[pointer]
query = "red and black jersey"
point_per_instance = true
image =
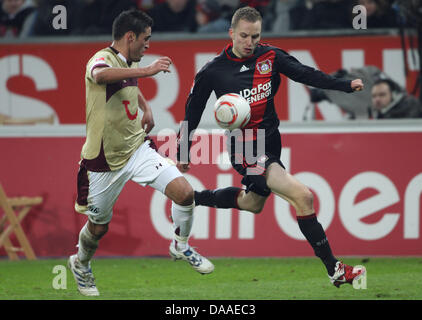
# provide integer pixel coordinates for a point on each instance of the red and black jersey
(257, 79)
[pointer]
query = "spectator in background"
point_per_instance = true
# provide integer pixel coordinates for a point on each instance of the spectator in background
(228, 7)
(259, 5)
(144, 5)
(380, 14)
(321, 14)
(97, 16)
(40, 22)
(390, 102)
(174, 16)
(208, 17)
(277, 16)
(13, 14)
(263, 7)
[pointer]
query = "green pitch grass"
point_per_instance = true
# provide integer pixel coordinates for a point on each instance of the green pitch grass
(232, 279)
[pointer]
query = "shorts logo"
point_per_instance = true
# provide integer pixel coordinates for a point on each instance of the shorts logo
(264, 67)
(93, 209)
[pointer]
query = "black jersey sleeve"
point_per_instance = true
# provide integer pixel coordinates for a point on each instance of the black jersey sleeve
(292, 68)
(194, 108)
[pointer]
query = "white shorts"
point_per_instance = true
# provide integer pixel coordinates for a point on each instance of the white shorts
(98, 195)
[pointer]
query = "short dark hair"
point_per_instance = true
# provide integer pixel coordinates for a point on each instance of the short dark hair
(245, 13)
(393, 86)
(131, 20)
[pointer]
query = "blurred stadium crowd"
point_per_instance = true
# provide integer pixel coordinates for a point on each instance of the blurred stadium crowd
(28, 18)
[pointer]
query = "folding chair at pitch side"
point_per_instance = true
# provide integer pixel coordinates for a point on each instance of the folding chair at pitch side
(13, 220)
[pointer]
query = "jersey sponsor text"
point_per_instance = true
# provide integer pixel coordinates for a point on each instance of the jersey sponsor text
(260, 92)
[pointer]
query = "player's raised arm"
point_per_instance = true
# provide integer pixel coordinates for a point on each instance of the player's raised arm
(104, 75)
(295, 70)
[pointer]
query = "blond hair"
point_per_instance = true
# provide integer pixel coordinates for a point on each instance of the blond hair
(245, 13)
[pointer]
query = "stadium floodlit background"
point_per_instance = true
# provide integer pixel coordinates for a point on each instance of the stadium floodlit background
(365, 172)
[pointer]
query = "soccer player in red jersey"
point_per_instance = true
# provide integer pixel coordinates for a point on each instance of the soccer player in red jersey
(253, 70)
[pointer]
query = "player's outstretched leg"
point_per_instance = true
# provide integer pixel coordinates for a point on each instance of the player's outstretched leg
(179, 248)
(301, 198)
(338, 272)
(219, 198)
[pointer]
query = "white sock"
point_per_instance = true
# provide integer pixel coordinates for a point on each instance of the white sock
(182, 222)
(87, 246)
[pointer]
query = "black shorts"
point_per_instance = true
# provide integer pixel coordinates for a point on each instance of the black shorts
(254, 173)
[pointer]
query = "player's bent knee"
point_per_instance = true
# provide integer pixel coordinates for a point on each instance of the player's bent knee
(186, 197)
(308, 196)
(252, 207)
(305, 199)
(251, 202)
(180, 192)
(255, 208)
(97, 230)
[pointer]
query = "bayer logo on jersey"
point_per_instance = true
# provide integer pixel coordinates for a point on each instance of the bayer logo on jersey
(232, 111)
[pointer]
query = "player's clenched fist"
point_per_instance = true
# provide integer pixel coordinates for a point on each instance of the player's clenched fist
(357, 85)
(161, 64)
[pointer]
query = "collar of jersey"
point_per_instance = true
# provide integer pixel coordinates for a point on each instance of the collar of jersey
(122, 57)
(230, 55)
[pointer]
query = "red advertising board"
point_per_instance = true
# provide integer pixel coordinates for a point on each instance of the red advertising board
(367, 188)
(45, 78)
(367, 185)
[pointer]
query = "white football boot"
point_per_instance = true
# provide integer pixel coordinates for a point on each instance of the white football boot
(198, 262)
(83, 277)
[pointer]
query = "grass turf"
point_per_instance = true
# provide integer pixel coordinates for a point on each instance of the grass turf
(232, 279)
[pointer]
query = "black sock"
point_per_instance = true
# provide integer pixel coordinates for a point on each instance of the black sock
(314, 233)
(219, 198)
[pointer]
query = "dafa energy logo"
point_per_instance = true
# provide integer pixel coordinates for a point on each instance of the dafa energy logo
(260, 92)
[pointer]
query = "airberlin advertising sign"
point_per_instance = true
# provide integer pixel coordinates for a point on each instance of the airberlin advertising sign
(367, 187)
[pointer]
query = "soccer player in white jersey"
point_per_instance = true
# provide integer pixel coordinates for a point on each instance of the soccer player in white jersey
(117, 148)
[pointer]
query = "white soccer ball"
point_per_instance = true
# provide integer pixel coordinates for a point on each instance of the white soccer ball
(232, 111)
